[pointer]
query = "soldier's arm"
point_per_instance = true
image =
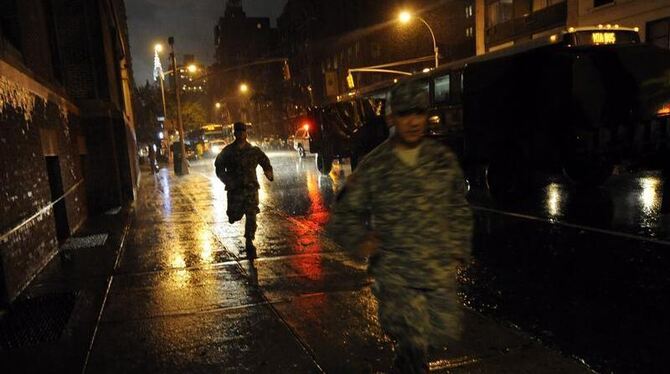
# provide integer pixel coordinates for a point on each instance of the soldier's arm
(221, 165)
(264, 162)
(348, 225)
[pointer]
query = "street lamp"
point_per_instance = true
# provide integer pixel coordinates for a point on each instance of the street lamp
(192, 68)
(217, 105)
(160, 76)
(244, 88)
(183, 170)
(406, 17)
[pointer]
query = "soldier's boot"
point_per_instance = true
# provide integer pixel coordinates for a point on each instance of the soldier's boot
(250, 249)
(250, 233)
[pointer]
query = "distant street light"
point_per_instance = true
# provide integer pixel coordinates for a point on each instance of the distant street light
(244, 88)
(158, 48)
(217, 105)
(192, 68)
(406, 17)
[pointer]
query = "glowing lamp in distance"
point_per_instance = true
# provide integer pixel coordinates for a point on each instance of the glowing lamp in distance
(664, 111)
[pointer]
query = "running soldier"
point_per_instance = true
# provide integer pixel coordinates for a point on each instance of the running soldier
(236, 168)
(404, 207)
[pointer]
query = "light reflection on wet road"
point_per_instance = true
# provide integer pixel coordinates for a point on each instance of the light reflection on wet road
(578, 269)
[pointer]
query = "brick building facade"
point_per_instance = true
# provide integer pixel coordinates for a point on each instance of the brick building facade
(66, 131)
(504, 23)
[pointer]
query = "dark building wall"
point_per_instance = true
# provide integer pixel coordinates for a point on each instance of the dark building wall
(92, 39)
(64, 81)
(241, 40)
(27, 220)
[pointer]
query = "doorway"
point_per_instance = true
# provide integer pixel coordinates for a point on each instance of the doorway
(59, 208)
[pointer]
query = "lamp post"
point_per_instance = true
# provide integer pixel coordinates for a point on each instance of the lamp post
(183, 169)
(244, 91)
(405, 17)
(159, 75)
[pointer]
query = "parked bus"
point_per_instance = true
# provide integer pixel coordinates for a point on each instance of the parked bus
(578, 102)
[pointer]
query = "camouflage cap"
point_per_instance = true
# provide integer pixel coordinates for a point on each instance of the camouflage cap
(409, 97)
(239, 126)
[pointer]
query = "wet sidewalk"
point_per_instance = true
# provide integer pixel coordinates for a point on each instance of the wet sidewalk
(181, 298)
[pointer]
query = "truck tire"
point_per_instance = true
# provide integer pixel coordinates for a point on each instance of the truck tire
(301, 151)
(324, 164)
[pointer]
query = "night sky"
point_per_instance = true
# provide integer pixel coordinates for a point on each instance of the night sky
(191, 22)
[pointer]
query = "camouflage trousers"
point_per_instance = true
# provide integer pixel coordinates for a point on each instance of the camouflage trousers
(418, 319)
(244, 202)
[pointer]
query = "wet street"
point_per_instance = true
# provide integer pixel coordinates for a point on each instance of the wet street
(582, 272)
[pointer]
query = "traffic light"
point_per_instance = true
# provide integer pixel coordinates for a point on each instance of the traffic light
(286, 70)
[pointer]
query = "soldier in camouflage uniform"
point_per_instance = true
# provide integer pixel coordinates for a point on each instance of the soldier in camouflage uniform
(405, 208)
(236, 168)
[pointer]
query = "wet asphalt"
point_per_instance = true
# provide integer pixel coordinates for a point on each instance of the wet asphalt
(560, 276)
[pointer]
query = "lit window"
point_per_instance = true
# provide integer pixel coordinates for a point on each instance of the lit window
(468, 11)
(541, 4)
(499, 12)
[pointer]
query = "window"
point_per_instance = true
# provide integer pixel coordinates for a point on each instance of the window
(499, 12)
(468, 11)
(658, 33)
(541, 4)
(469, 32)
(442, 88)
(9, 23)
(597, 3)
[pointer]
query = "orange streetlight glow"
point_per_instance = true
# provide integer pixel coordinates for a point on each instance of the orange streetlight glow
(244, 88)
(405, 16)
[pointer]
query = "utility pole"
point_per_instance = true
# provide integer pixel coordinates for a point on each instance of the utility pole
(181, 165)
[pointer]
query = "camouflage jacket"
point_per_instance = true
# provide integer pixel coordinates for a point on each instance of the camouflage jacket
(236, 167)
(419, 214)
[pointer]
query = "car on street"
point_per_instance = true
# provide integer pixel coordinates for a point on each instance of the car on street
(215, 147)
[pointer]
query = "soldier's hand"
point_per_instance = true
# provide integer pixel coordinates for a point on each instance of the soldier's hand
(369, 246)
(269, 175)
